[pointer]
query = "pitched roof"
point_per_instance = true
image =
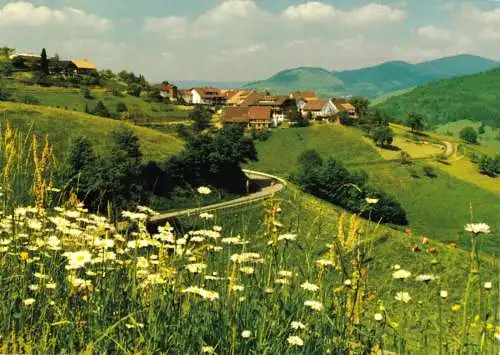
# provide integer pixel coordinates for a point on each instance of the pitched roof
(343, 104)
(262, 99)
(314, 105)
(209, 93)
(84, 64)
(306, 95)
(236, 114)
(239, 97)
(259, 113)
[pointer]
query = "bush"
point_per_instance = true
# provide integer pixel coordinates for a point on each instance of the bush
(101, 110)
(261, 135)
(121, 107)
(116, 92)
(86, 93)
(331, 181)
(429, 172)
(5, 93)
(469, 135)
(30, 100)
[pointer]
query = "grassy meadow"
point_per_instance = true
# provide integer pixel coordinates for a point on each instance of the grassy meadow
(61, 125)
(278, 155)
(490, 138)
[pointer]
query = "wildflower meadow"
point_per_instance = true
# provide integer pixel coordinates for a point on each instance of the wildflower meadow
(78, 282)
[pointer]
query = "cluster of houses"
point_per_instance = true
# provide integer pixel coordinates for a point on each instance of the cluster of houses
(56, 65)
(261, 110)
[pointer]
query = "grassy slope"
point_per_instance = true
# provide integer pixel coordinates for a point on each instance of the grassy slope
(490, 138)
(62, 125)
(279, 154)
(438, 207)
(316, 221)
(72, 99)
(473, 97)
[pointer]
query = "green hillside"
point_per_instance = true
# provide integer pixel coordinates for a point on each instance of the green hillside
(374, 81)
(62, 125)
(436, 206)
(73, 99)
(475, 98)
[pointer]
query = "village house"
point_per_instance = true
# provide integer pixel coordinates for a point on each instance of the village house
(252, 118)
(207, 96)
(84, 66)
(303, 97)
(342, 105)
(236, 98)
(280, 105)
(168, 91)
(186, 96)
(319, 109)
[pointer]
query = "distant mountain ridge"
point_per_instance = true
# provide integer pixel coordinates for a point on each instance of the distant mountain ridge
(376, 80)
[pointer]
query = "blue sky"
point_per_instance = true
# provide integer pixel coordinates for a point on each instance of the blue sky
(243, 40)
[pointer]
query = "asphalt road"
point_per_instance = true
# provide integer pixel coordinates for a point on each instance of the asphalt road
(277, 184)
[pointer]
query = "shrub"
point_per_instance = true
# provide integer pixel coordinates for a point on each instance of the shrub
(469, 135)
(30, 100)
(429, 172)
(121, 107)
(86, 93)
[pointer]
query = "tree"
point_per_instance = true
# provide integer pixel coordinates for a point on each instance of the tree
(80, 168)
(416, 122)
(360, 105)
(481, 129)
(6, 51)
(86, 93)
(469, 135)
(134, 90)
(310, 159)
(44, 62)
(121, 107)
(5, 93)
(6, 68)
(383, 136)
(201, 118)
(18, 63)
(101, 110)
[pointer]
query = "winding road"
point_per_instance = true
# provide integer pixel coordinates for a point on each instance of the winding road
(270, 185)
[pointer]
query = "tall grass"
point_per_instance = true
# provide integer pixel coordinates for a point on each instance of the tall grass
(74, 282)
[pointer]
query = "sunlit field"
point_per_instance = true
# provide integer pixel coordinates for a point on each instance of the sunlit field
(275, 279)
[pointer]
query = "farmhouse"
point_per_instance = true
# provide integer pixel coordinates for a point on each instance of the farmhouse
(207, 96)
(342, 105)
(252, 118)
(186, 96)
(238, 97)
(318, 109)
(84, 66)
(280, 105)
(169, 91)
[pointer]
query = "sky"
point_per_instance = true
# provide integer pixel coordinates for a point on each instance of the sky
(246, 40)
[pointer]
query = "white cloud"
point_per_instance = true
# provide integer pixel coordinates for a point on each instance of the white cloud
(164, 23)
(26, 14)
(232, 10)
(434, 33)
(369, 14)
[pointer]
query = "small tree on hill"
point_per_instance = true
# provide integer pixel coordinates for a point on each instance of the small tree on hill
(121, 107)
(415, 122)
(134, 90)
(101, 110)
(383, 136)
(360, 105)
(201, 118)
(44, 62)
(469, 135)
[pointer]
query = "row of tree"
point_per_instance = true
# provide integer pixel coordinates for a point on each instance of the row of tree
(121, 180)
(331, 181)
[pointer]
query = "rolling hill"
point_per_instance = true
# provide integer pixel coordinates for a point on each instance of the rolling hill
(437, 207)
(473, 97)
(373, 81)
(62, 125)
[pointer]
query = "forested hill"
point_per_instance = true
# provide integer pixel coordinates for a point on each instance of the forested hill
(474, 97)
(374, 81)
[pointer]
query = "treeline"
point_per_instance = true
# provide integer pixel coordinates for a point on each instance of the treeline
(331, 181)
(120, 179)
